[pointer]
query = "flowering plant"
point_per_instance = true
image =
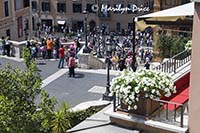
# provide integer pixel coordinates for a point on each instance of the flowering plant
(188, 45)
(129, 86)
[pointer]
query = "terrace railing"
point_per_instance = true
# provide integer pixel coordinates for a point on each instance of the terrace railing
(171, 65)
(161, 114)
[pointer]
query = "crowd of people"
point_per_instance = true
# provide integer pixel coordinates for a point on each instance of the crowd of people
(5, 46)
(50, 48)
(144, 38)
(121, 57)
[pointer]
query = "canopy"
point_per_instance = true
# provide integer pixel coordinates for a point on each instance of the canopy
(178, 11)
(168, 15)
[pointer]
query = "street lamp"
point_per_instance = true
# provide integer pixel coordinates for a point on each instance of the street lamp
(86, 49)
(106, 95)
(133, 43)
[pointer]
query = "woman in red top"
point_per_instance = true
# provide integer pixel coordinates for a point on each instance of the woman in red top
(61, 56)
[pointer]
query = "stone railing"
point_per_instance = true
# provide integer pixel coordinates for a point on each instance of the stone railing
(88, 61)
(16, 48)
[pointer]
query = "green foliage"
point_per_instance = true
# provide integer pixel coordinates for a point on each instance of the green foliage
(170, 46)
(18, 111)
(27, 56)
(42, 117)
(18, 90)
(79, 116)
(60, 122)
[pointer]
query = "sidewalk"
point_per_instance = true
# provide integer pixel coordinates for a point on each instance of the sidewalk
(100, 123)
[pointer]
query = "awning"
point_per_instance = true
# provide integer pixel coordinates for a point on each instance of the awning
(141, 25)
(178, 11)
(169, 15)
(61, 22)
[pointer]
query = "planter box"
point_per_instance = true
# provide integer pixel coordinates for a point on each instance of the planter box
(145, 107)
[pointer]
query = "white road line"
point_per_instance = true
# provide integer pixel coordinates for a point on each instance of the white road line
(53, 77)
(13, 58)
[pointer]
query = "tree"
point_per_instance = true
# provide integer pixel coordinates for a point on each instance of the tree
(18, 91)
(171, 45)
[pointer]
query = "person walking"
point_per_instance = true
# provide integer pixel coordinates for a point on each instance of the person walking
(147, 65)
(49, 47)
(122, 65)
(61, 56)
(3, 45)
(7, 46)
(128, 62)
(71, 65)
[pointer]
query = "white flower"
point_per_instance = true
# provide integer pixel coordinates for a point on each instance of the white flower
(135, 107)
(153, 84)
(153, 91)
(137, 99)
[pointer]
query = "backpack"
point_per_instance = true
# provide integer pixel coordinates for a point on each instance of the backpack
(71, 62)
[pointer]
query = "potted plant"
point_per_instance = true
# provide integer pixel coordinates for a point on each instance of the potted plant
(132, 87)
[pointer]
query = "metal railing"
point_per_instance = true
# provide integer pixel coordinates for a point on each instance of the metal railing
(160, 111)
(175, 62)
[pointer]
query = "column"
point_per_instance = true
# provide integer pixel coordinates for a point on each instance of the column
(194, 94)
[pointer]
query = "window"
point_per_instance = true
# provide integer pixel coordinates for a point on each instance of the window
(6, 9)
(149, 4)
(46, 7)
(61, 7)
(77, 8)
(89, 8)
(17, 4)
(185, 1)
(118, 27)
(34, 6)
(20, 27)
(8, 33)
(26, 3)
(26, 24)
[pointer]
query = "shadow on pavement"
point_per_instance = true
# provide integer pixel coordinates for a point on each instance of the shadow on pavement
(41, 63)
(79, 75)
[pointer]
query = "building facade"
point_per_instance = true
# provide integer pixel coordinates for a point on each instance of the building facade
(15, 19)
(22, 19)
(69, 14)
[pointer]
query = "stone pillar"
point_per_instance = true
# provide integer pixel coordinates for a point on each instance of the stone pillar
(194, 94)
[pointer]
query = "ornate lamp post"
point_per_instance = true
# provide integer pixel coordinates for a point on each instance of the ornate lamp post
(86, 49)
(133, 43)
(106, 95)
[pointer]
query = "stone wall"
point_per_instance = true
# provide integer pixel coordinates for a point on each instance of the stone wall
(88, 61)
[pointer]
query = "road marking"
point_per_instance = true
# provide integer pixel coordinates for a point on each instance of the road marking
(13, 58)
(53, 77)
(97, 89)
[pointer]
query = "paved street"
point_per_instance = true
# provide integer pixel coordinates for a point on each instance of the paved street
(86, 86)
